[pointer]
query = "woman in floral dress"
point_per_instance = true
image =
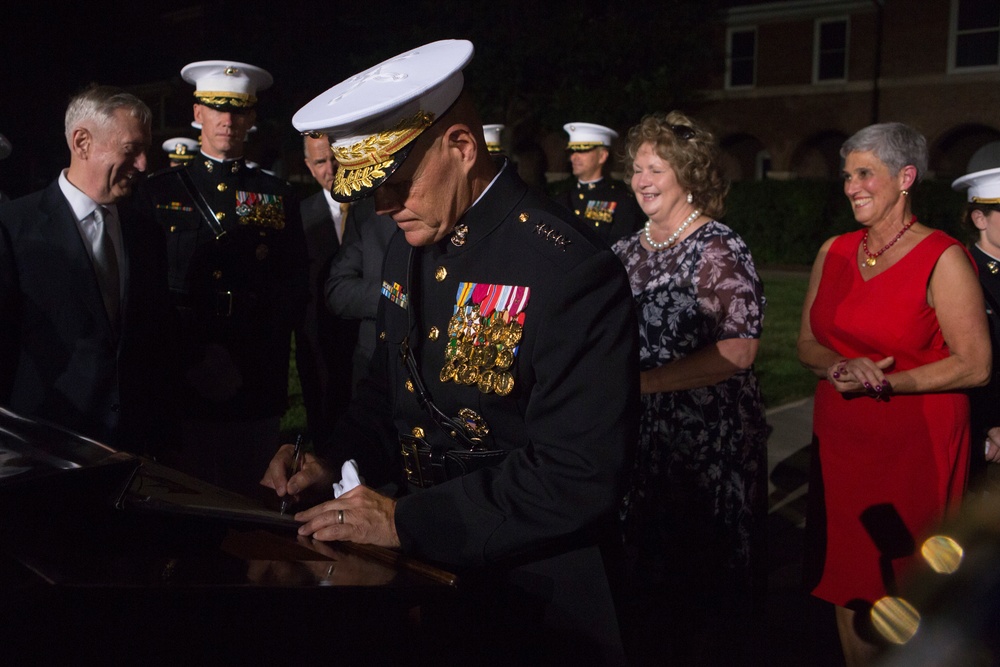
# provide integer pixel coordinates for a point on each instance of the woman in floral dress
(695, 510)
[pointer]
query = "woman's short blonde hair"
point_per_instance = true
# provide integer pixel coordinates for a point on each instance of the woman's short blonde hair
(692, 153)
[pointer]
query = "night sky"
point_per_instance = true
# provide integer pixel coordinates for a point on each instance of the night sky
(564, 48)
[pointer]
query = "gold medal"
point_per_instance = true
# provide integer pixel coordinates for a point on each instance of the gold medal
(481, 356)
(447, 372)
(486, 381)
(513, 332)
(503, 384)
(504, 359)
(468, 374)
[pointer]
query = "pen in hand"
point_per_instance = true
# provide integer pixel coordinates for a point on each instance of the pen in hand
(296, 461)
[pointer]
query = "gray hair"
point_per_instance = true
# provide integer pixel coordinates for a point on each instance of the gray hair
(896, 145)
(98, 104)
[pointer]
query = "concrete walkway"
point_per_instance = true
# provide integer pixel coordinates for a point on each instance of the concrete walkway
(801, 629)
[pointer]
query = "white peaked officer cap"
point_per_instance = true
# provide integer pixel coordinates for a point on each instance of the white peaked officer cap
(492, 133)
(226, 85)
(588, 136)
(180, 148)
(373, 118)
(984, 186)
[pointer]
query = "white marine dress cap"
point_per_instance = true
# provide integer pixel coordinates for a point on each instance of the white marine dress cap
(373, 118)
(226, 85)
(588, 136)
(180, 148)
(984, 186)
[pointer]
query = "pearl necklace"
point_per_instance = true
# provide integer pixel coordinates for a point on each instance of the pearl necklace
(872, 257)
(673, 237)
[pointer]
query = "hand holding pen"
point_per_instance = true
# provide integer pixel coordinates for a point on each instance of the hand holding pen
(296, 466)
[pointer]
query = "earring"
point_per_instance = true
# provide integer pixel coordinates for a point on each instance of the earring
(690, 198)
(904, 192)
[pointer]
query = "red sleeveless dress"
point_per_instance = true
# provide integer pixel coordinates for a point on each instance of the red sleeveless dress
(890, 469)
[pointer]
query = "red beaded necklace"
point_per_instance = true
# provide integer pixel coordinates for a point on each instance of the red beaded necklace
(873, 257)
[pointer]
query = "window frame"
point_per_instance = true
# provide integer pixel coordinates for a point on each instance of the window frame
(953, 38)
(730, 32)
(818, 50)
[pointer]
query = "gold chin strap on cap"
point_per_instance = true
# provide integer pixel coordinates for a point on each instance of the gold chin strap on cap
(983, 200)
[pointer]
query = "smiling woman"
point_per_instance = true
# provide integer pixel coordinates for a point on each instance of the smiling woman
(893, 321)
(695, 507)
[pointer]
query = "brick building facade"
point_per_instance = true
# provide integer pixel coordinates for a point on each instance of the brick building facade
(803, 75)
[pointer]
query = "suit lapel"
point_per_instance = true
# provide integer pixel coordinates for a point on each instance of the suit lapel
(61, 231)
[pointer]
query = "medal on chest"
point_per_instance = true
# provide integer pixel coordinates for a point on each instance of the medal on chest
(483, 336)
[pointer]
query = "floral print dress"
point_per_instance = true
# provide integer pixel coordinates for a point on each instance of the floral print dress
(697, 498)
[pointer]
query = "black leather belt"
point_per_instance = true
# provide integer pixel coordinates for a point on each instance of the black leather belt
(426, 466)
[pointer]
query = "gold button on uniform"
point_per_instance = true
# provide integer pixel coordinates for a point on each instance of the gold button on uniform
(220, 216)
(523, 217)
(433, 333)
(217, 274)
(221, 187)
(417, 432)
(381, 336)
(440, 273)
(409, 386)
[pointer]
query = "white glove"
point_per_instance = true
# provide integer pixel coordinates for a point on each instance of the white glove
(350, 478)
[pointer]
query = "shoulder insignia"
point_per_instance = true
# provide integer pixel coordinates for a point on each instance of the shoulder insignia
(546, 232)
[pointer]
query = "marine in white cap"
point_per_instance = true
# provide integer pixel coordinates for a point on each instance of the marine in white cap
(982, 218)
(493, 132)
(180, 150)
(601, 202)
(238, 276)
(505, 377)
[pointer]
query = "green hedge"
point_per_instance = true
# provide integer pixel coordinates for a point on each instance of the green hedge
(785, 222)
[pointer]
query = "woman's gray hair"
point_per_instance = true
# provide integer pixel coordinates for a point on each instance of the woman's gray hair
(894, 144)
(99, 103)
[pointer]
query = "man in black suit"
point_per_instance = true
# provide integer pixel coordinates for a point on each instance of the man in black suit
(324, 342)
(84, 309)
(354, 282)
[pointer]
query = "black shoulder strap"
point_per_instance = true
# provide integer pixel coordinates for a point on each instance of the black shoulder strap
(199, 200)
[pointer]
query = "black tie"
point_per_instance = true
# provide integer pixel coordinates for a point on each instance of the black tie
(107, 267)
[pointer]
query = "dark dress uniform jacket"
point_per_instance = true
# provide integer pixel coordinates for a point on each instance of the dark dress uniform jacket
(985, 401)
(568, 422)
(607, 206)
(60, 360)
(239, 298)
(324, 343)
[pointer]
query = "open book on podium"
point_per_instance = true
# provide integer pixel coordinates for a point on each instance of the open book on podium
(48, 473)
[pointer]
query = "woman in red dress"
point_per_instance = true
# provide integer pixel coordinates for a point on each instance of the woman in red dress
(894, 323)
